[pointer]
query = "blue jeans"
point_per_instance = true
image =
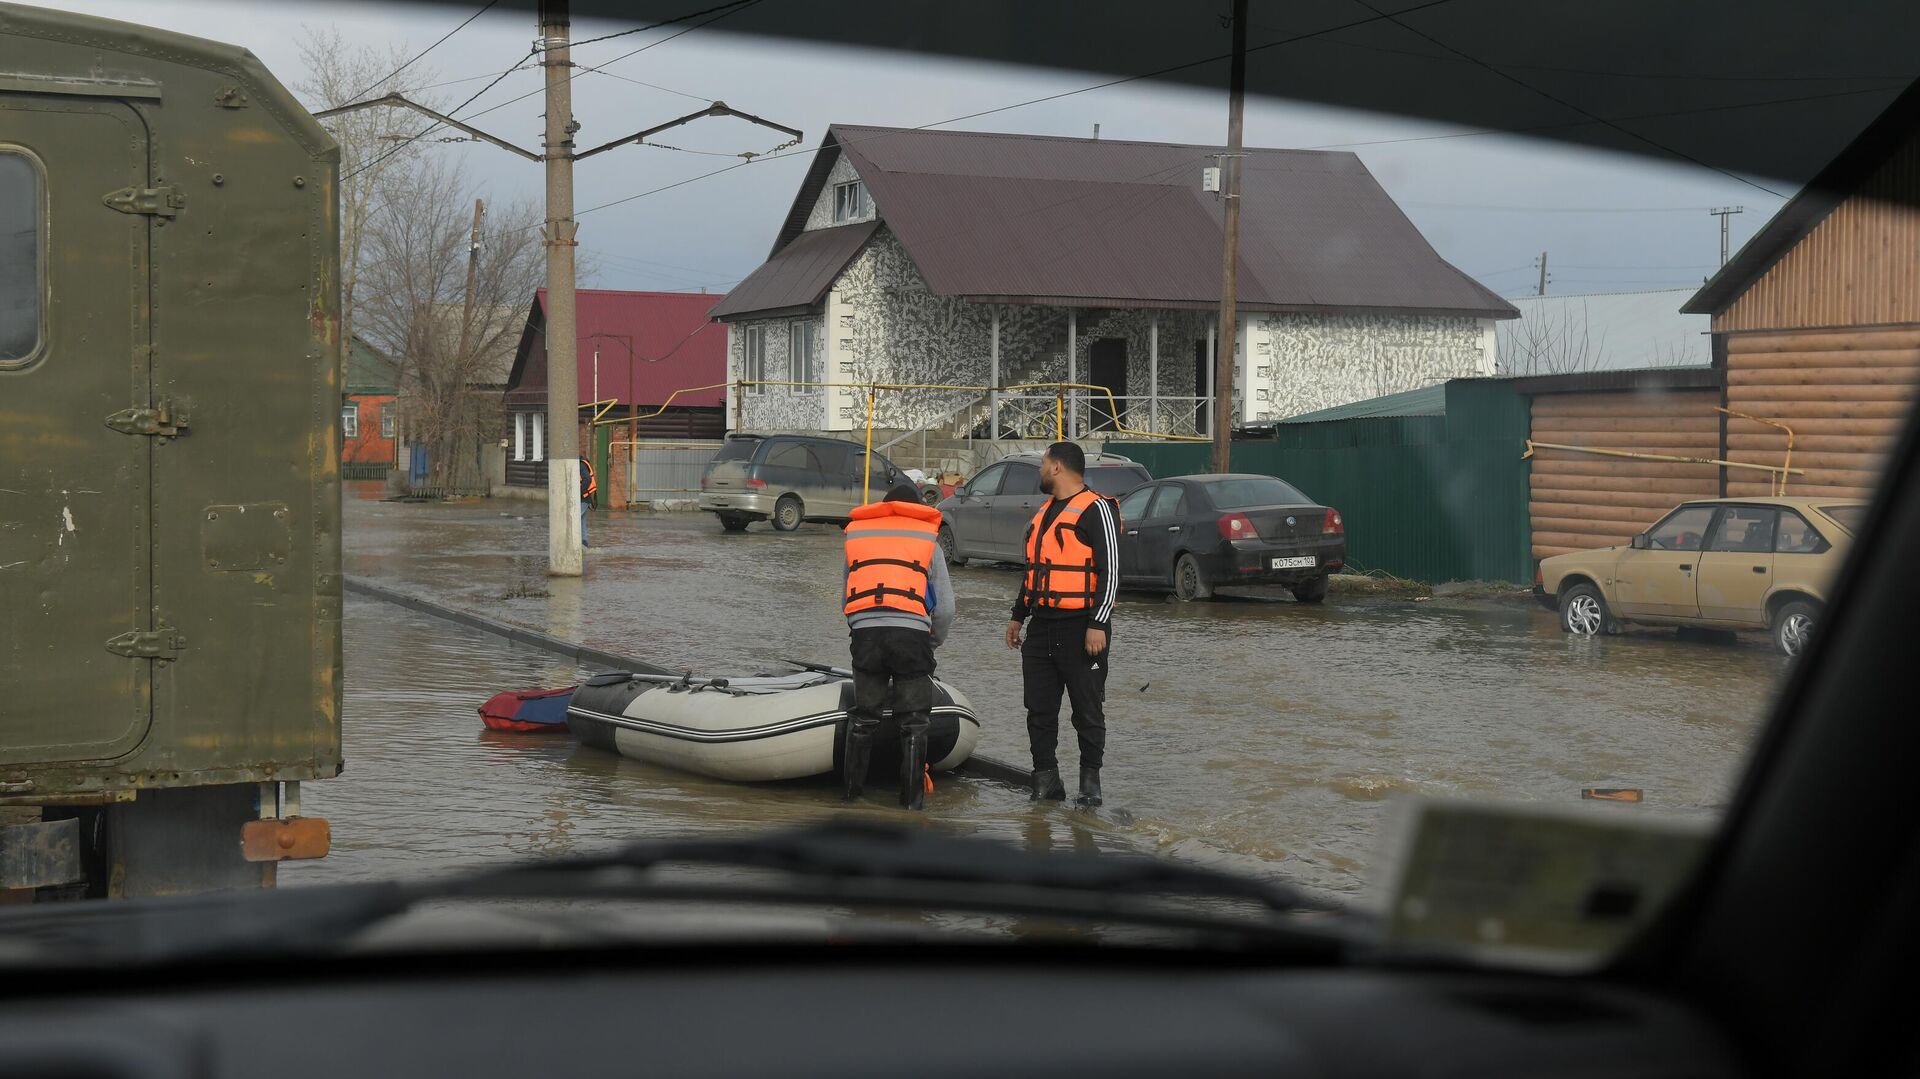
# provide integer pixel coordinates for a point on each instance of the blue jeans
(583, 521)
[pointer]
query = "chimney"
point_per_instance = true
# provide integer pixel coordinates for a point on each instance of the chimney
(1096, 131)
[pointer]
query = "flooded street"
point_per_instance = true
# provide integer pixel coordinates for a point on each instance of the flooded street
(1255, 734)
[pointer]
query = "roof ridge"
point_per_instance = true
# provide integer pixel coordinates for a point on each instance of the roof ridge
(1083, 139)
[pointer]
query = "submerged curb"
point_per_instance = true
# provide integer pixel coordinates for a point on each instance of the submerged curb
(586, 655)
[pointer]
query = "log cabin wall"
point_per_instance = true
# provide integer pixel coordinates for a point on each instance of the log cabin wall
(1579, 501)
(1844, 392)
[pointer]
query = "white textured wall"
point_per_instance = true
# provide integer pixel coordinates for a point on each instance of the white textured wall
(775, 408)
(1299, 363)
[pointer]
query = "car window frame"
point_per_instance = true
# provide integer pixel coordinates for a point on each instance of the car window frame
(1179, 508)
(40, 211)
(1823, 542)
(1023, 468)
(1713, 519)
(774, 456)
(1150, 490)
(998, 470)
(1720, 518)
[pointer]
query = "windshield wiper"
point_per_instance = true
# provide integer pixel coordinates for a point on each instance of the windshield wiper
(842, 863)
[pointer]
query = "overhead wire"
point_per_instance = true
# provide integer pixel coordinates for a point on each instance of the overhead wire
(435, 126)
(484, 8)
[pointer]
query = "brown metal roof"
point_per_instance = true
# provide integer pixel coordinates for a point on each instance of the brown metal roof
(1124, 224)
(798, 275)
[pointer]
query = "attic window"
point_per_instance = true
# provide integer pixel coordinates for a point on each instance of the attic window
(850, 202)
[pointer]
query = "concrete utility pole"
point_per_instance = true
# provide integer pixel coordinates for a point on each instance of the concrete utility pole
(1230, 257)
(1724, 212)
(473, 268)
(563, 377)
(1542, 290)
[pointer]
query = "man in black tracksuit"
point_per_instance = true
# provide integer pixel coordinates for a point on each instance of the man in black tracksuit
(1069, 590)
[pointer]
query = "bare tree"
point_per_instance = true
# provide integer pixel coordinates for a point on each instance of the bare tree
(1553, 341)
(373, 142)
(415, 303)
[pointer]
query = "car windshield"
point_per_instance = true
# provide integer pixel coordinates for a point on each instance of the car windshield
(1850, 516)
(1247, 492)
(1578, 363)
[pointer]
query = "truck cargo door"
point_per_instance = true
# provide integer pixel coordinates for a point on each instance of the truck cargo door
(78, 427)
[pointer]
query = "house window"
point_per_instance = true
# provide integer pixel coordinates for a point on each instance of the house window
(539, 436)
(803, 355)
(386, 421)
(519, 436)
(350, 421)
(21, 270)
(850, 202)
(754, 364)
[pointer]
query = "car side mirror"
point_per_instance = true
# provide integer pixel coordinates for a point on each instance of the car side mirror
(1640, 542)
(960, 491)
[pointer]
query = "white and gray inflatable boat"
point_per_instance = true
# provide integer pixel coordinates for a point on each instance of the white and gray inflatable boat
(757, 728)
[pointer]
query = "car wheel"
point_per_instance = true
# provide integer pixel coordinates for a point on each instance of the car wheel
(1583, 610)
(1189, 580)
(1793, 627)
(1314, 591)
(733, 522)
(930, 494)
(787, 513)
(950, 547)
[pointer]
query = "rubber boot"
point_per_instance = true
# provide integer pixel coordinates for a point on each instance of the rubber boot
(1047, 786)
(913, 769)
(1089, 786)
(859, 752)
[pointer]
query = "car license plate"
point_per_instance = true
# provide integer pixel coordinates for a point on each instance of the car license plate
(1305, 561)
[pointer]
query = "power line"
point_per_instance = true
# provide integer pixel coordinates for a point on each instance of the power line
(724, 11)
(666, 22)
(435, 126)
(1490, 208)
(1034, 101)
(652, 85)
(477, 78)
(1616, 120)
(484, 8)
(1564, 103)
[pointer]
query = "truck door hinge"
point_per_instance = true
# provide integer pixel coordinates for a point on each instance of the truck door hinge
(163, 643)
(166, 419)
(156, 201)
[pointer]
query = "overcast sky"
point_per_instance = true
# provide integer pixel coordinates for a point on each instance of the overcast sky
(1489, 204)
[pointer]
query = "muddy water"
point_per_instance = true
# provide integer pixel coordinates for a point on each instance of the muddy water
(1256, 733)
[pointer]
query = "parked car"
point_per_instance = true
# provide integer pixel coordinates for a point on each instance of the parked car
(1726, 564)
(987, 517)
(788, 479)
(1193, 534)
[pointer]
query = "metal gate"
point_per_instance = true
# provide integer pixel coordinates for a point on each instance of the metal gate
(663, 470)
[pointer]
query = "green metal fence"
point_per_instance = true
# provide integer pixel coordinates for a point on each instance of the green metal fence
(1431, 498)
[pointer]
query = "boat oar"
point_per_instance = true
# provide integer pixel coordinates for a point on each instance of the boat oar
(818, 668)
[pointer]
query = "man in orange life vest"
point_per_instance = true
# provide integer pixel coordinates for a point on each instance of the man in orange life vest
(1070, 588)
(588, 486)
(899, 607)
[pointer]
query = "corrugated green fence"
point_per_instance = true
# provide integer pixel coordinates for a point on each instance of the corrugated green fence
(1432, 498)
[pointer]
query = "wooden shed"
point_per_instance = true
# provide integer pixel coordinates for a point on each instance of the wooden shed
(1816, 322)
(1589, 496)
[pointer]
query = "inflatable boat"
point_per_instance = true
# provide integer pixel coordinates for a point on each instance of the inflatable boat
(758, 728)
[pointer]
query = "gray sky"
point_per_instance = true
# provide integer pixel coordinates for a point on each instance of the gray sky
(1489, 204)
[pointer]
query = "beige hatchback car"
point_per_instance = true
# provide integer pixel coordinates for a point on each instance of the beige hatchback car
(1721, 564)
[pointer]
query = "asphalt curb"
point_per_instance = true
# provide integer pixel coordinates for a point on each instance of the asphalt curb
(588, 656)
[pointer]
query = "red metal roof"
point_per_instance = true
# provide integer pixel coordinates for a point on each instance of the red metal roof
(675, 345)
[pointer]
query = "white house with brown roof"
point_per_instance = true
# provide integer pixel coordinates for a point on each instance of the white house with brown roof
(948, 258)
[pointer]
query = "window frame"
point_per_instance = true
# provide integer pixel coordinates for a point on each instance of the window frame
(998, 470)
(1821, 544)
(861, 203)
(1713, 519)
(350, 419)
(1178, 509)
(1147, 492)
(753, 358)
(42, 290)
(1711, 545)
(1027, 471)
(519, 436)
(388, 428)
(537, 439)
(803, 346)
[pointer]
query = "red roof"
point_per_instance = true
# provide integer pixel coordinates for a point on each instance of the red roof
(675, 345)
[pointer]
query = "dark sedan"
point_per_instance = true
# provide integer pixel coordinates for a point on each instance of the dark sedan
(1193, 534)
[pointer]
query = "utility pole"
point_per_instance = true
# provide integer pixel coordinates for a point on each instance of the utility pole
(1724, 212)
(473, 268)
(1544, 276)
(1230, 256)
(564, 557)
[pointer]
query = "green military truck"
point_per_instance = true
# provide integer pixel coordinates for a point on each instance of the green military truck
(169, 462)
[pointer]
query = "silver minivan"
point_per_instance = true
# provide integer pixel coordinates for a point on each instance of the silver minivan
(788, 479)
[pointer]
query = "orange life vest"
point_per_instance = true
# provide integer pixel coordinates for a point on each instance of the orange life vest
(890, 550)
(1059, 567)
(588, 482)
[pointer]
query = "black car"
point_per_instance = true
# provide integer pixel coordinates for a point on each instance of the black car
(1193, 534)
